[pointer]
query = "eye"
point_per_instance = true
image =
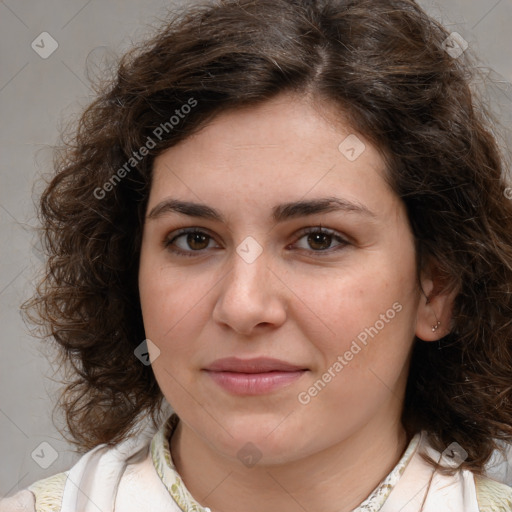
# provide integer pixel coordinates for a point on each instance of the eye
(320, 239)
(191, 240)
(188, 241)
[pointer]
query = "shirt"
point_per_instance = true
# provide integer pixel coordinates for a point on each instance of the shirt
(138, 474)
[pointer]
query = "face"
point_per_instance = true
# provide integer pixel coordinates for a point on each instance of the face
(278, 282)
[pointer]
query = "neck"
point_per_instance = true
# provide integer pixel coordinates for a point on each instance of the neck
(334, 480)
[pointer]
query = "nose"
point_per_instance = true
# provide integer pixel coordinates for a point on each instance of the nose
(251, 297)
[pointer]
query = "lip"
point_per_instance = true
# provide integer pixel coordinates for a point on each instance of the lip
(255, 365)
(253, 376)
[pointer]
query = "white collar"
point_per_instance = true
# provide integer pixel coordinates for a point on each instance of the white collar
(93, 482)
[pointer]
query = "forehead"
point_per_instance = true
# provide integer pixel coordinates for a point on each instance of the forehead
(282, 150)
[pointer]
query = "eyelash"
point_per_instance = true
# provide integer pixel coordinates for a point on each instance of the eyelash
(316, 230)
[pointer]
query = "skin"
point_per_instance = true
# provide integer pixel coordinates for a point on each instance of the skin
(291, 303)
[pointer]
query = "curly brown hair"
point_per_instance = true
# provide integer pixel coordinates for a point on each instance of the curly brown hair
(385, 64)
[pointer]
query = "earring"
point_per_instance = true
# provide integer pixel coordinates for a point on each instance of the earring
(435, 327)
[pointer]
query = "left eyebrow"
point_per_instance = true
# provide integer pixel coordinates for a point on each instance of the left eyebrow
(280, 213)
(293, 210)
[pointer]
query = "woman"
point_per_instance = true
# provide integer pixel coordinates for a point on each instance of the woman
(290, 222)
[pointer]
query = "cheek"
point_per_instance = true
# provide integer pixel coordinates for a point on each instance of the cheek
(171, 313)
(369, 317)
(360, 303)
(174, 309)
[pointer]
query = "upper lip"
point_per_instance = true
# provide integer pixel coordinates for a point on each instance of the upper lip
(256, 365)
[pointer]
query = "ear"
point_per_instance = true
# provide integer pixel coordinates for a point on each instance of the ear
(434, 315)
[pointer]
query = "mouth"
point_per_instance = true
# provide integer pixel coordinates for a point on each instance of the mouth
(253, 376)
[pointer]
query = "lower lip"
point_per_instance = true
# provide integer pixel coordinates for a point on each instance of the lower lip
(254, 383)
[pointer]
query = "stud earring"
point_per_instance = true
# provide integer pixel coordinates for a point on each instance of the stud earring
(435, 327)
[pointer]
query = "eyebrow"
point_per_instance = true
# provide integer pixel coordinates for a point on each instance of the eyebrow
(280, 212)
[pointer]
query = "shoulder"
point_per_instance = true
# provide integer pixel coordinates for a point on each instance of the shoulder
(48, 492)
(97, 472)
(492, 495)
(42, 496)
(22, 501)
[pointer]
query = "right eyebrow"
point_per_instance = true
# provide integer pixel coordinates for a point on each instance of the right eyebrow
(185, 208)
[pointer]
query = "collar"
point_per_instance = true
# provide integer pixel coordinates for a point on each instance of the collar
(162, 461)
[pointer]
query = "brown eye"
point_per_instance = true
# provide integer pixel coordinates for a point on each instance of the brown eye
(188, 241)
(319, 240)
(197, 240)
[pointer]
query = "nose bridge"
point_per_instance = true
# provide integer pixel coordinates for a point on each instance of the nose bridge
(249, 269)
(249, 295)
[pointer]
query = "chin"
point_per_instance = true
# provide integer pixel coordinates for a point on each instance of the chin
(269, 439)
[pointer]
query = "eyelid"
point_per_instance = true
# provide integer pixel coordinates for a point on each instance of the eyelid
(318, 228)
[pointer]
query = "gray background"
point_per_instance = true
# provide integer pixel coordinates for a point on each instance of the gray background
(36, 96)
